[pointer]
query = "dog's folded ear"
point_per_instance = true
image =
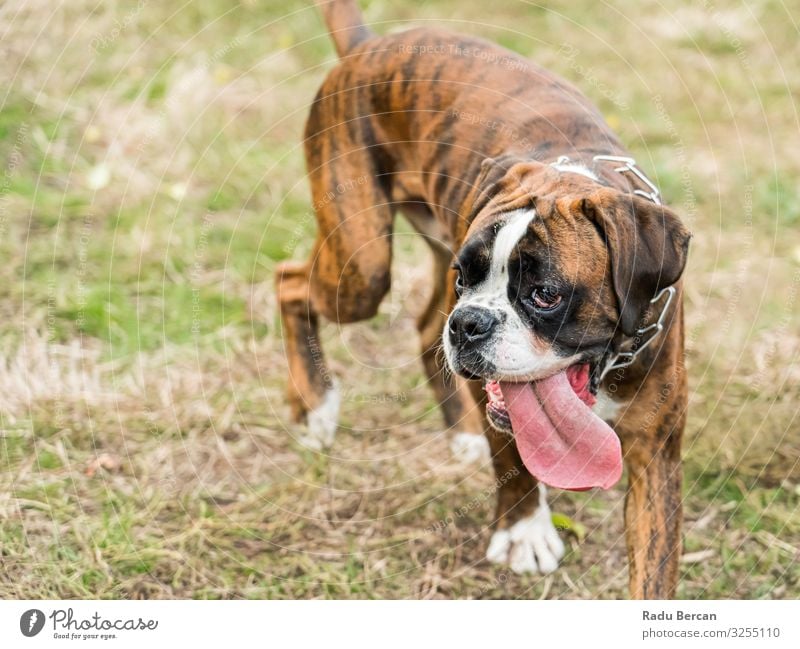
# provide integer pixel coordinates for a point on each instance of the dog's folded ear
(647, 246)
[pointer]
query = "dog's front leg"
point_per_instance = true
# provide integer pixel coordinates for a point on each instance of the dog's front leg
(653, 515)
(524, 536)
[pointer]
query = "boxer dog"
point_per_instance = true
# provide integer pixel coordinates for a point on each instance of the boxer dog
(555, 290)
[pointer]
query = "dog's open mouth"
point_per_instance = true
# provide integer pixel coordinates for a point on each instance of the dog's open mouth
(560, 440)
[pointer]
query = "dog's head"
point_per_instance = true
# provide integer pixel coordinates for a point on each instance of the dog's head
(552, 268)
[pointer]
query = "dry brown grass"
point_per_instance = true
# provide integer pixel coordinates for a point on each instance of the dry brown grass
(157, 180)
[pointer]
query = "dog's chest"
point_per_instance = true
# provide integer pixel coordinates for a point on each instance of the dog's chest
(607, 408)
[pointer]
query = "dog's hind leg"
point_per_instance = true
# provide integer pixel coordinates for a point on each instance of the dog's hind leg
(455, 408)
(312, 392)
(343, 281)
(460, 413)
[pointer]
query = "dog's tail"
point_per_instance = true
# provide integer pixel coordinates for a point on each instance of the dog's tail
(345, 24)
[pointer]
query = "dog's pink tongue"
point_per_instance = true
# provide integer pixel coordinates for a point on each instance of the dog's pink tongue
(561, 441)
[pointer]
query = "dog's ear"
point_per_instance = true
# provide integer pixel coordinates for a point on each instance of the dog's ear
(647, 246)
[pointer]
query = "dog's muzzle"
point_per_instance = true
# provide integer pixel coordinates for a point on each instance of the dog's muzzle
(470, 326)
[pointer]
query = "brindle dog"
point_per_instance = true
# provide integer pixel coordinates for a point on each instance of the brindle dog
(560, 256)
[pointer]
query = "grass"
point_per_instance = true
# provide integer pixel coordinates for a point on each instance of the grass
(154, 177)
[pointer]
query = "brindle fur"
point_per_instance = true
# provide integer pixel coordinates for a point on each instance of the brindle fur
(453, 130)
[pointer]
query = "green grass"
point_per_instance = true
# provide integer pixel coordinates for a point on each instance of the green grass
(151, 185)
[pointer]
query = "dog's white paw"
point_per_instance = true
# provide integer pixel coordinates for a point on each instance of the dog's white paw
(469, 447)
(531, 544)
(322, 421)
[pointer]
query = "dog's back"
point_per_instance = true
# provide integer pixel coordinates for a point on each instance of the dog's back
(423, 92)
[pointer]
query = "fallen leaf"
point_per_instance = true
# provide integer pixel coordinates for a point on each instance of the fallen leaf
(105, 461)
(564, 522)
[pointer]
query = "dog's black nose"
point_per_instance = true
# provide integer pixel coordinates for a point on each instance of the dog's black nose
(470, 324)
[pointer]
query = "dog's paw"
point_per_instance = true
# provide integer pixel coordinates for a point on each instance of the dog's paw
(470, 447)
(530, 545)
(322, 421)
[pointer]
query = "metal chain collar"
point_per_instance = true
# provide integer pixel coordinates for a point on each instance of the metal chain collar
(625, 358)
(629, 165)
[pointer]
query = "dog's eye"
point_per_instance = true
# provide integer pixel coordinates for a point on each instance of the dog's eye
(545, 298)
